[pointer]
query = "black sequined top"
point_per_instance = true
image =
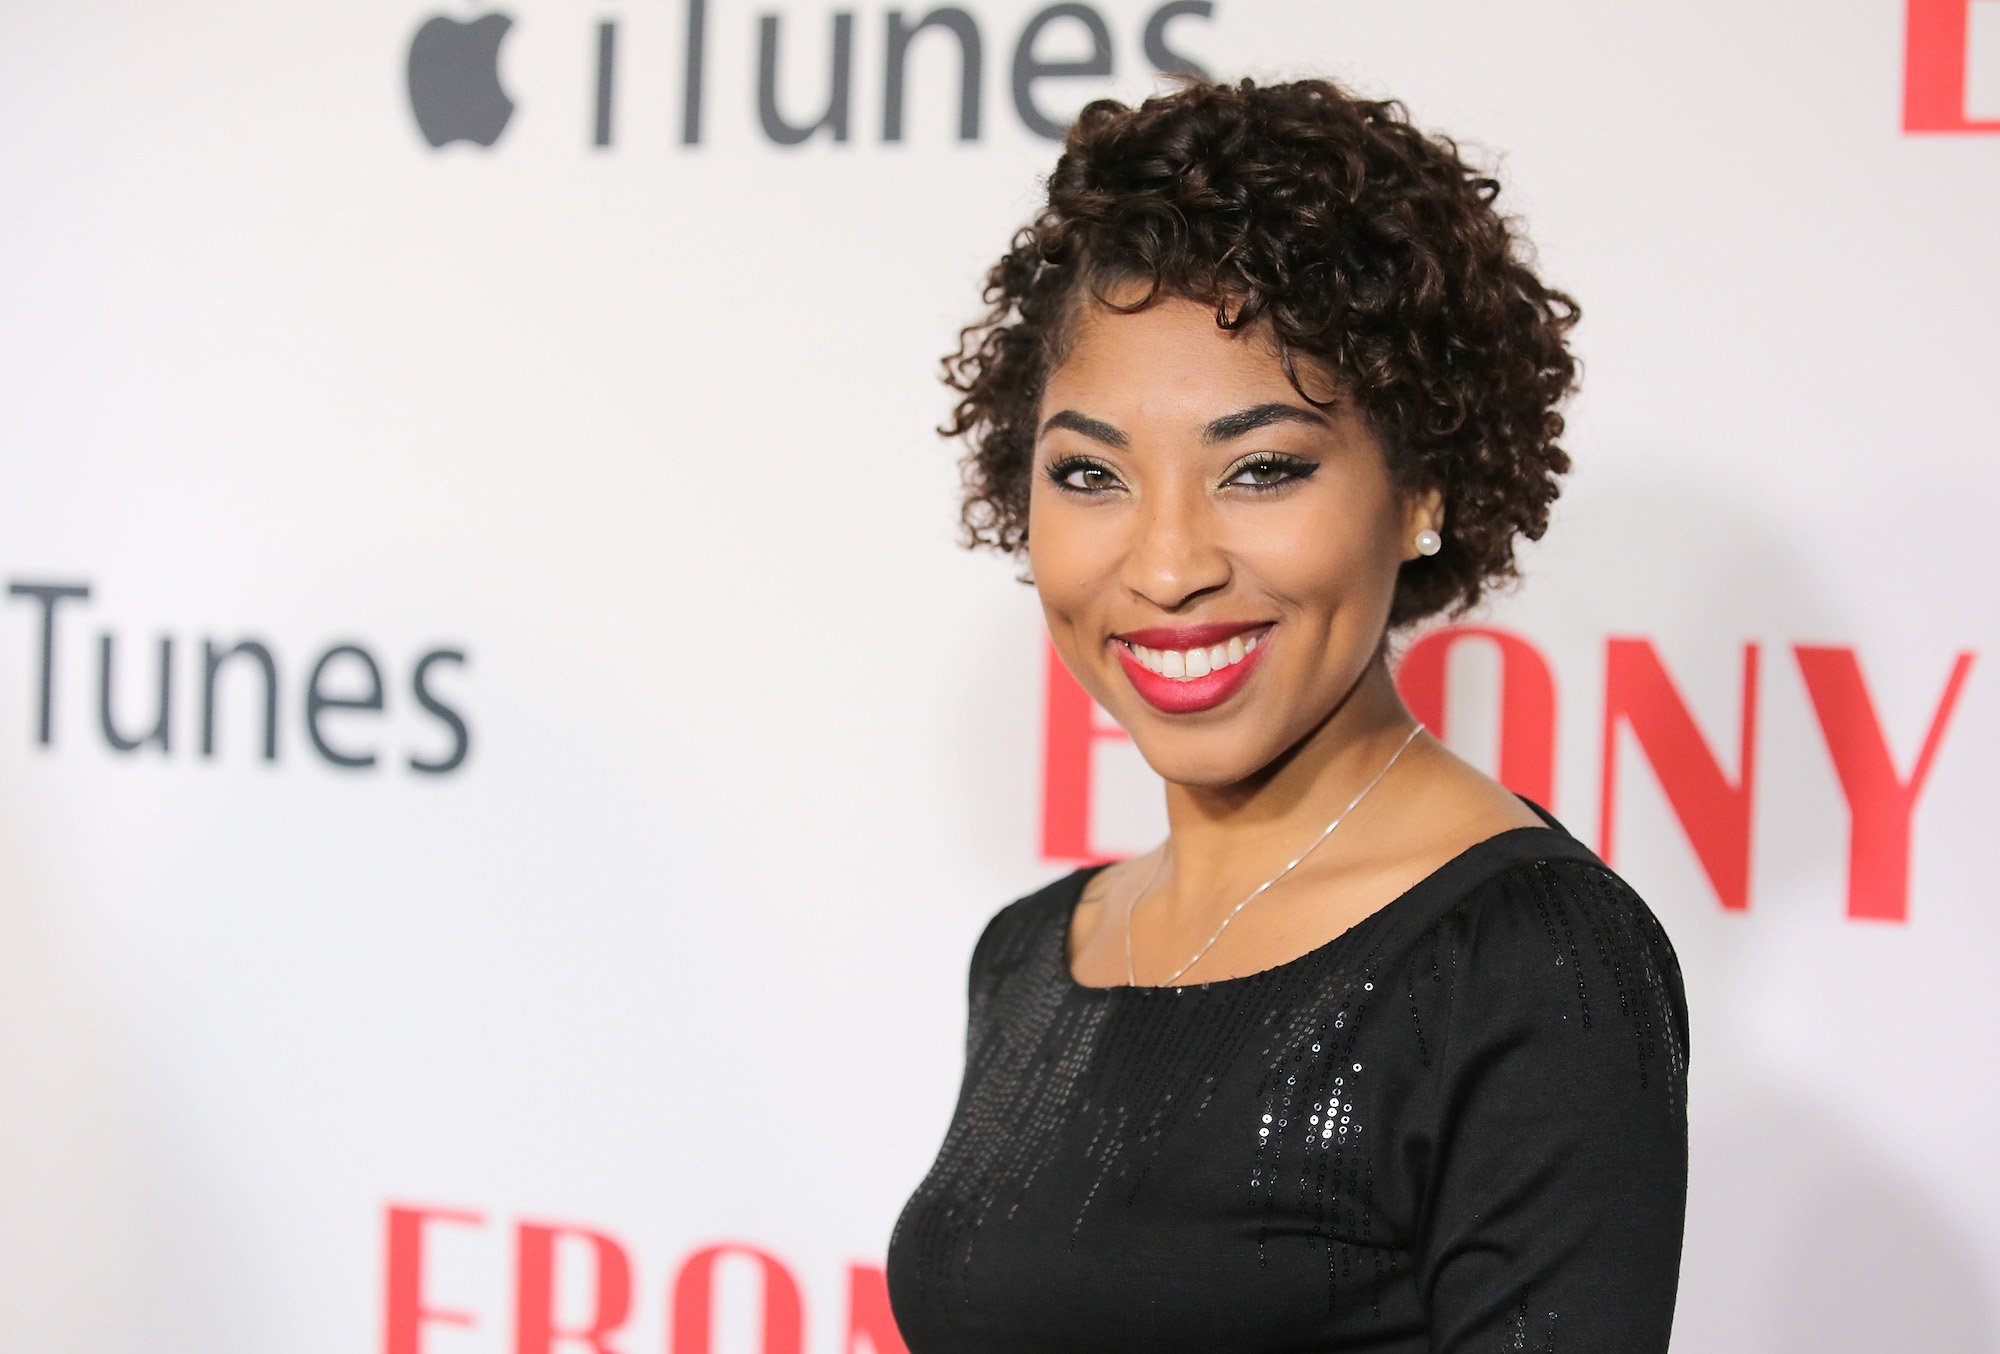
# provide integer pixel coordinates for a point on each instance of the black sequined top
(1459, 1126)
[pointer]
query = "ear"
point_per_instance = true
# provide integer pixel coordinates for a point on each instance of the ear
(1422, 509)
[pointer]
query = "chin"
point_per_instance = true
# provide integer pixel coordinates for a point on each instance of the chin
(1213, 751)
(1213, 761)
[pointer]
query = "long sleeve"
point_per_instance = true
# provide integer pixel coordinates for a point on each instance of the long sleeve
(1554, 1168)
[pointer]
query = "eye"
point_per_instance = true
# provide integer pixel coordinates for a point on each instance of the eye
(1272, 470)
(1081, 475)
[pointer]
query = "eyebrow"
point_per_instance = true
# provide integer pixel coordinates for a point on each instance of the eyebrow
(1220, 430)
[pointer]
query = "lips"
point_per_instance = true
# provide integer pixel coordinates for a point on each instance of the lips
(1175, 696)
(1189, 636)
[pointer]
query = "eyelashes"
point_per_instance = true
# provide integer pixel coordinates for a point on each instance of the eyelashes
(1060, 470)
(1289, 470)
(1292, 469)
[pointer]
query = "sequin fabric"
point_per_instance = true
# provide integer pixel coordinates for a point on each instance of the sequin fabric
(1459, 1126)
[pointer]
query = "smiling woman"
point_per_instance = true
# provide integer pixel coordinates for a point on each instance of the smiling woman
(1265, 383)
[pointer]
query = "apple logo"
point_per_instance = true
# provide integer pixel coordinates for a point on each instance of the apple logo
(455, 80)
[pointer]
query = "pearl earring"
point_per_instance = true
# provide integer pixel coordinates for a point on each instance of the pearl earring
(1429, 542)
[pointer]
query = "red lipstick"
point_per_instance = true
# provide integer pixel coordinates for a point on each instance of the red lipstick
(1188, 636)
(1175, 696)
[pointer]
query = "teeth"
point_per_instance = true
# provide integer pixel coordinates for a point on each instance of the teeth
(1188, 664)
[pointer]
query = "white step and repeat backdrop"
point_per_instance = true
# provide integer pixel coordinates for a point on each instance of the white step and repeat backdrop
(502, 760)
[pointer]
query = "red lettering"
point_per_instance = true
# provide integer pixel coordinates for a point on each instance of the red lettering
(1527, 703)
(534, 1306)
(1934, 59)
(1070, 735)
(694, 1296)
(868, 1314)
(404, 1310)
(1713, 810)
(1879, 805)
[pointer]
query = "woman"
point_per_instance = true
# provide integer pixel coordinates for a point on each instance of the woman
(1265, 383)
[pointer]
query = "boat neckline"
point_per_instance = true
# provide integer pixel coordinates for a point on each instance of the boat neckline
(1069, 897)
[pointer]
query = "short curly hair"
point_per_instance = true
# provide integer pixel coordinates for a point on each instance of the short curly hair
(1371, 247)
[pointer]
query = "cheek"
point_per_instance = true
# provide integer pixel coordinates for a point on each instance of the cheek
(1061, 559)
(1316, 556)
(1054, 576)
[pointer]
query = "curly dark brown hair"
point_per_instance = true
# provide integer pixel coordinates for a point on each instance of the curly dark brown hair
(1370, 246)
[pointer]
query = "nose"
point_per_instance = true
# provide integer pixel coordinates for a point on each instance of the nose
(1174, 555)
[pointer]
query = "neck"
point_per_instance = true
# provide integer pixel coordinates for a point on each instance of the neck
(1226, 840)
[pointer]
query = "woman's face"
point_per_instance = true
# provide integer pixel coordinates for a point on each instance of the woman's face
(1190, 514)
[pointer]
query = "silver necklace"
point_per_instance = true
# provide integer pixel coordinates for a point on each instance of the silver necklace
(1132, 978)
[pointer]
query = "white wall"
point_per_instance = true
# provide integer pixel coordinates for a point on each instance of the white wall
(676, 953)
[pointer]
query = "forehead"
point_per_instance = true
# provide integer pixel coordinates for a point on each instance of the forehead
(1172, 361)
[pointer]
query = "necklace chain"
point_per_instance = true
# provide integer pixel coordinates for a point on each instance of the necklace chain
(1132, 978)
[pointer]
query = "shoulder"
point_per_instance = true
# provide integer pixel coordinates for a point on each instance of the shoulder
(1561, 951)
(1570, 907)
(1012, 931)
